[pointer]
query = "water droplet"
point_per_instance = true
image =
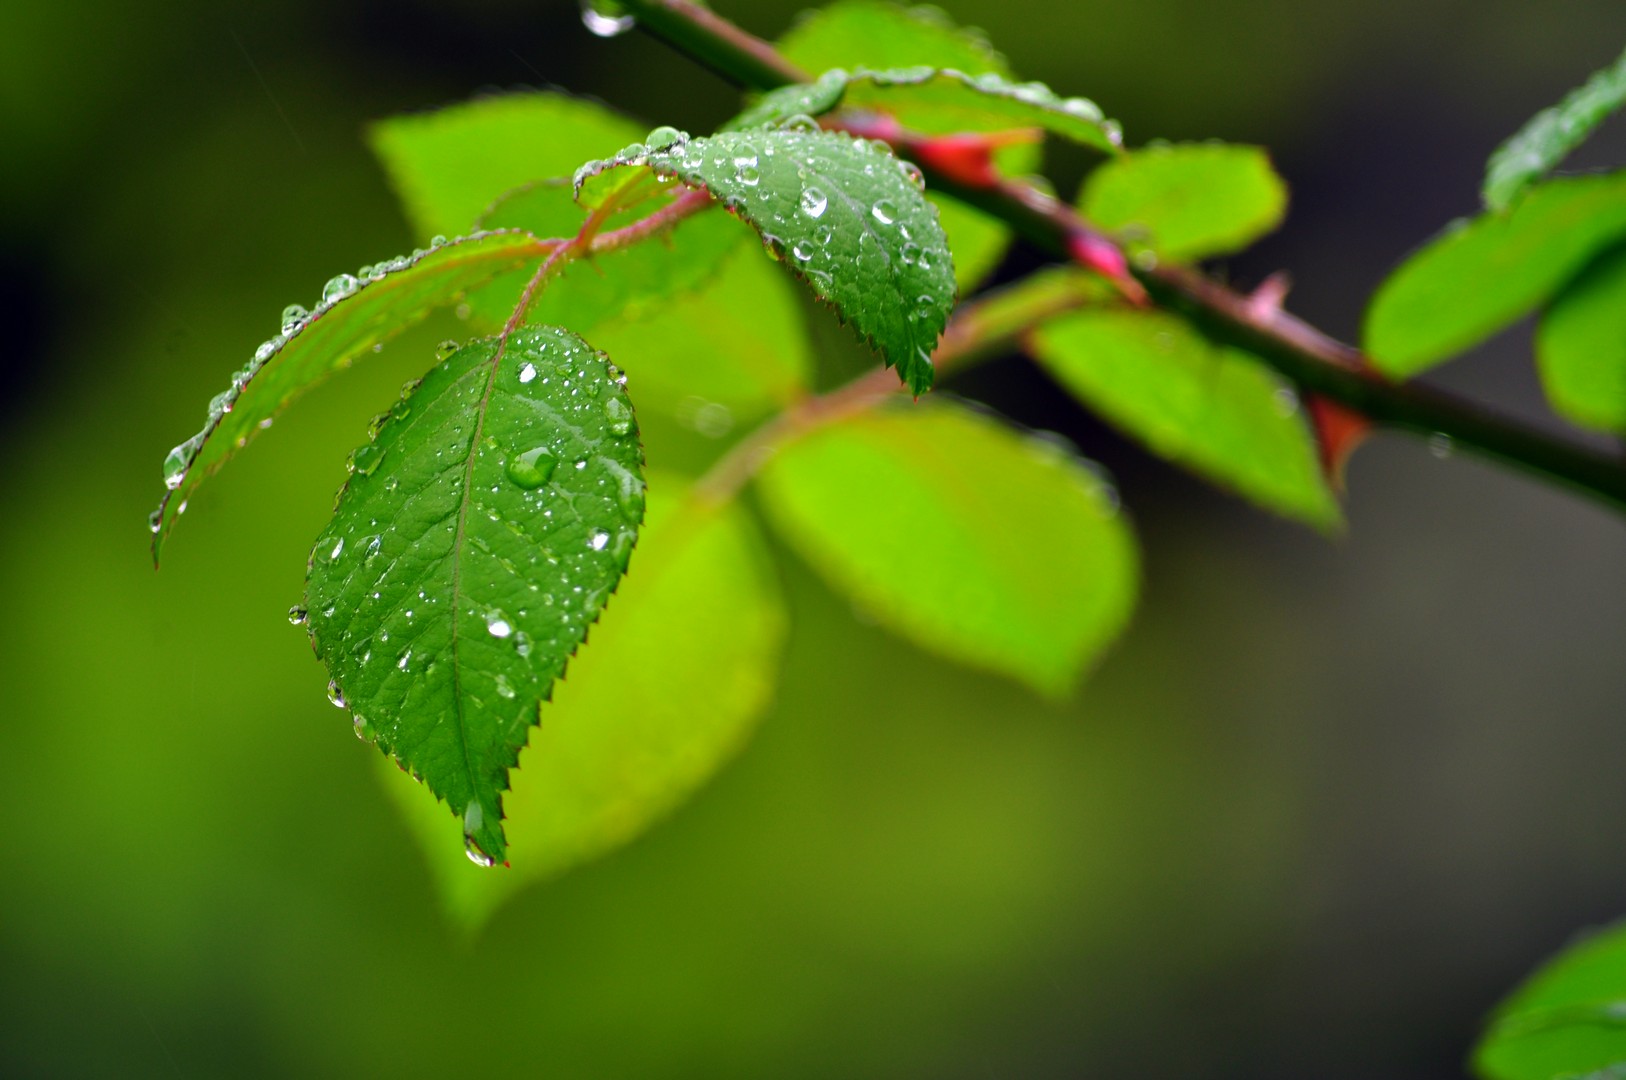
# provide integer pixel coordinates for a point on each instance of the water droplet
(1440, 445)
(532, 468)
(267, 350)
(527, 373)
(363, 729)
(298, 616)
(813, 202)
(802, 250)
(438, 240)
(404, 661)
(498, 625)
(910, 254)
(445, 349)
(884, 212)
(605, 18)
(505, 688)
(155, 521)
(338, 287)
(177, 461)
(293, 317)
(745, 170)
(801, 122)
(619, 415)
(1286, 401)
(662, 137)
(598, 540)
(366, 459)
(335, 695)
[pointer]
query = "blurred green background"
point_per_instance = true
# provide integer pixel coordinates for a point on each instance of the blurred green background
(1321, 807)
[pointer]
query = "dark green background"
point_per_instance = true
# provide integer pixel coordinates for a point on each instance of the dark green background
(1320, 808)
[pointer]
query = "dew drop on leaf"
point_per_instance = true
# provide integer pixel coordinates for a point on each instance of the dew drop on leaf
(532, 468)
(293, 316)
(884, 212)
(298, 616)
(445, 349)
(498, 625)
(365, 461)
(338, 287)
(813, 202)
(335, 695)
(619, 415)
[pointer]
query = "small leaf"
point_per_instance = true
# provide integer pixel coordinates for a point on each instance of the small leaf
(863, 33)
(1567, 1021)
(847, 218)
(1549, 136)
(479, 536)
(1483, 275)
(1581, 346)
(1187, 201)
(939, 101)
(681, 667)
(1214, 410)
(994, 549)
(358, 313)
(447, 166)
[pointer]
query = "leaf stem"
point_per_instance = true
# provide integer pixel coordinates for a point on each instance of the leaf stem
(1308, 357)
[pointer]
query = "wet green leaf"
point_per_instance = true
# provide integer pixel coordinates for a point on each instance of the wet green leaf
(1567, 1021)
(479, 536)
(1485, 274)
(862, 33)
(359, 312)
(1581, 346)
(681, 667)
(938, 101)
(1214, 410)
(450, 165)
(1187, 201)
(999, 550)
(847, 218)
(1549, 136)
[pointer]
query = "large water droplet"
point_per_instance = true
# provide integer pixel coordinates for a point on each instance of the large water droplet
(813, 202)
(604, 18)
(802, 250)
(293, 317)
(662, 137)
(528, 372)
(745, 170)
(445, 349)
(177, 460)
(298, 616)
(884, 212)
(619, 415)
(335, 695)
(532, 468)
(366, 459)
(498, 625)
(598, 540)
(338, 287)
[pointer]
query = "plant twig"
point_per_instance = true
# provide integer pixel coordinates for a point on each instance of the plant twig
(1311, 359)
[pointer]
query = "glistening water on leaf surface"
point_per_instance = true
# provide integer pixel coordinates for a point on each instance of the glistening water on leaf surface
(357, 313)
(1551, 134)
(496, 512)
(844, 215)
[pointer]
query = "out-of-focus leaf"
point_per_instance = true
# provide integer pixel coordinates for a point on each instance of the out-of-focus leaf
(357, 313)
(1567, 1021)
(627, 283)
(679, 670)
(1549, 136)
(1483, 275)
(995, 549)
(479, 536)
(847, 218)
(447, 166)
(940, 100)
(1187, 201)
(863, 33)
(1581, 346)
(1214, 410)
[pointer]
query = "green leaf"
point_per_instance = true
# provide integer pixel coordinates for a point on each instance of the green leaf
(480, 534)
(863, 33)
(681, 667)
(848, 219)
(358, 313)
(1481, 276)
(938, 101)
(1567, 1020)
(449, 165)
(1187, 201)
(1581, 346)
(996, 549)
(1215, 410)
(867, 33)
(1549, 136)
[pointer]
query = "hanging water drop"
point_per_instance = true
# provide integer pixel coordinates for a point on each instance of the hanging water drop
(605, 18)
(335, 695)
(155, 521)
(619, 415)
(445, 349)
(365, 461)
(532, 468)
(177, 461)
(298, 615)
